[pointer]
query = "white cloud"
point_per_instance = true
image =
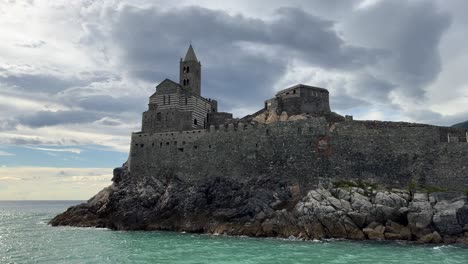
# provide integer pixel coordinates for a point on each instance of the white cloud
(71, 150)
(4, 153)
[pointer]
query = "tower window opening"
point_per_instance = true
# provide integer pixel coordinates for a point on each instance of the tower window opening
(188, 69)
(188, 81)
(195, 121)
(186, 100)
(164, 99)
(169, 99)
(294, 91)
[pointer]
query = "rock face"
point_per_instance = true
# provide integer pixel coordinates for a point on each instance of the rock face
(267, 207)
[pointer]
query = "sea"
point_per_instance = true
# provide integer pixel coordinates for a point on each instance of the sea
(25, 237)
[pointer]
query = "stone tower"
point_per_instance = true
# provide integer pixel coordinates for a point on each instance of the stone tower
(190, 72)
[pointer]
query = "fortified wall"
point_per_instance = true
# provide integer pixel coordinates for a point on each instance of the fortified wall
(310, 151)
(295, 137)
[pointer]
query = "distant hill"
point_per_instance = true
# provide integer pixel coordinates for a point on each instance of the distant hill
(462, 124)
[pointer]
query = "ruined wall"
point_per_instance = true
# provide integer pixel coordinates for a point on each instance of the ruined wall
(306, 152)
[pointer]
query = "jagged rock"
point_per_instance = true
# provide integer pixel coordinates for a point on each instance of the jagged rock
(372, 234)
(465, 228)
(420, 211)
(445, 217)
(426, 238)
(358, 218)
(436, 238)
(283, 117)
(267, 207)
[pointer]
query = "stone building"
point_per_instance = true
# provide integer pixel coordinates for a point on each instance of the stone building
(179, 106)
(300, 99)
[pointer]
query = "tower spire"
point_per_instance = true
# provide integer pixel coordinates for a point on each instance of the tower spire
(190, 72)
(190, 56)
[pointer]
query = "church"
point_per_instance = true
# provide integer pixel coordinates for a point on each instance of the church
(180, 106)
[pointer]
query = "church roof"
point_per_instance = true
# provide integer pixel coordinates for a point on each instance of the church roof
(190, 56)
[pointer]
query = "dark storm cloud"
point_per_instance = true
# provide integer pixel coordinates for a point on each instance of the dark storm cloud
(38, 82)
(49, 118)
(374, 89)
(411, 31)
(153, 40)
(107, 103)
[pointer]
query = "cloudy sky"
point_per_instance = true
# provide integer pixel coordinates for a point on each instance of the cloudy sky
(76, 75)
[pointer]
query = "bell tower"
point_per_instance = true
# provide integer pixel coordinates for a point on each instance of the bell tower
(190, 72)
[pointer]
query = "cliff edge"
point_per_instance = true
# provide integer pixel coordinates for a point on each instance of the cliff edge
(266, 207)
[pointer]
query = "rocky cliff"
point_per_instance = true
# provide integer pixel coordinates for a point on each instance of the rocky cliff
(268, 207)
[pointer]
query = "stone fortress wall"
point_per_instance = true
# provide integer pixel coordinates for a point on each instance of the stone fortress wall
(295, 137)
(310, 151)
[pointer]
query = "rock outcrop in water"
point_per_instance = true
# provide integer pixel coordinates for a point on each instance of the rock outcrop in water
(265, 207)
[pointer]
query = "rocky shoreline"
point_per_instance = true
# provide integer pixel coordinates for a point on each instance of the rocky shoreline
(264, 207)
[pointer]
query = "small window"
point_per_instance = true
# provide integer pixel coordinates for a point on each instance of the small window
(185, 100)
(152, 144)
(195, 122)
(158, 116)
(294, 91)
(136, 145)
(268, 132)
(195, 147)
(209, 146)
(181, 149)
(256, 145)
(169, 99)
(142, 145)
(188, 81)
(188, 69)
(164, 99)
(167, 143)
(160, 144)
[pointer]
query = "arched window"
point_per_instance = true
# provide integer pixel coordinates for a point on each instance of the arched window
(184, 69)
(188, 81)
(195, 121)
(188, 69)
(184, 82)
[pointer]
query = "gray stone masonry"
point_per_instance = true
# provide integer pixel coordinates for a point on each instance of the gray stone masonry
(307, 152)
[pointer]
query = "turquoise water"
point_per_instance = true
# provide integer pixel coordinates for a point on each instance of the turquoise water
(26, 238)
